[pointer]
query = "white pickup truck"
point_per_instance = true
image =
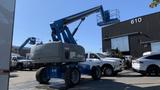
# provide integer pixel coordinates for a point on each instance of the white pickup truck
(20, 63)
(109, 65)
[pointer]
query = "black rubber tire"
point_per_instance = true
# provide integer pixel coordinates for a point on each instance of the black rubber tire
(143, 74)
(115, 73)
(153, 71)
(108, 71)
(11, 69)
(19, 66)
(41, 75)
(70, 79)
(30, 68)
(96, 73)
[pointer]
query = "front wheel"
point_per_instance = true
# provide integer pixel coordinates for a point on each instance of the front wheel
(20, 66)
(108, 71)
(96, 73)
(41, 75)
(72, 77)
(153, 71)
(30, 68)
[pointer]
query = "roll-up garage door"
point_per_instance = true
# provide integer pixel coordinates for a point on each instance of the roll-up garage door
(121, 43)
(155, 47)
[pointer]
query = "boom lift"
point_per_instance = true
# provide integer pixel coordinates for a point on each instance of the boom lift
(63, 54)
(30, 40)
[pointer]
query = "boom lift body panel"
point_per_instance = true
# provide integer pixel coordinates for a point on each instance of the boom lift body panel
(57, 52)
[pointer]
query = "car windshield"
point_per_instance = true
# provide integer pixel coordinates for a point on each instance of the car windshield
(101, 55)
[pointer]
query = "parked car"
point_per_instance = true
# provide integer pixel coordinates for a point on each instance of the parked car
(25, 64)
(109, 65)
(21, 63)
(148, 64)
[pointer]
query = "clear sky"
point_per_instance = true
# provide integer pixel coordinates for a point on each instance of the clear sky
(33, 17)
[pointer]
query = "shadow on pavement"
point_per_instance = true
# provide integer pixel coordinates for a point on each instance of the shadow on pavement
(105, 84)
(129, 76)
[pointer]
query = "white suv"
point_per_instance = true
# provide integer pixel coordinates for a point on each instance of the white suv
(109, 66)
(148, 64)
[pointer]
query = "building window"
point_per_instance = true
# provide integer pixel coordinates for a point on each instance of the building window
(155, 47)
(120, 43)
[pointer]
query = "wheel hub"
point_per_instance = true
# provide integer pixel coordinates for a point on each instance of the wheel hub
(108, 71)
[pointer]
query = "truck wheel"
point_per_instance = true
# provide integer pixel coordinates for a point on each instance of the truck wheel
(115, 73)
(20, 66)
(153, 70)
(96, 73)
(41, 75)
(108, 71)
(143, 74)
(11, 68)
(30, 69)
(31, 66)
(72, 77)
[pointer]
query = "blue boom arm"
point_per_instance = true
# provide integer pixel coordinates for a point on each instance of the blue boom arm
(30, 40)
(60, 31)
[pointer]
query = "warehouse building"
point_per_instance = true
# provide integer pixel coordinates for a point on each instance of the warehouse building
(134, 36)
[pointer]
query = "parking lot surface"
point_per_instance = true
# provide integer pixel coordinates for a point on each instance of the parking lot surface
(126, 80)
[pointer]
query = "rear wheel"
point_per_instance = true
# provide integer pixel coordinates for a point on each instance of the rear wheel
(72, 77)
(30, 68)
(41, 76)
(143, 74)
(96, 73)
(153, 70)
(108, 71)
(11, 68)
(115, 73)
(20, 66)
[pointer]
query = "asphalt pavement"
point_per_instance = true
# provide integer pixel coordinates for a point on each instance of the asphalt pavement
(125, 80)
